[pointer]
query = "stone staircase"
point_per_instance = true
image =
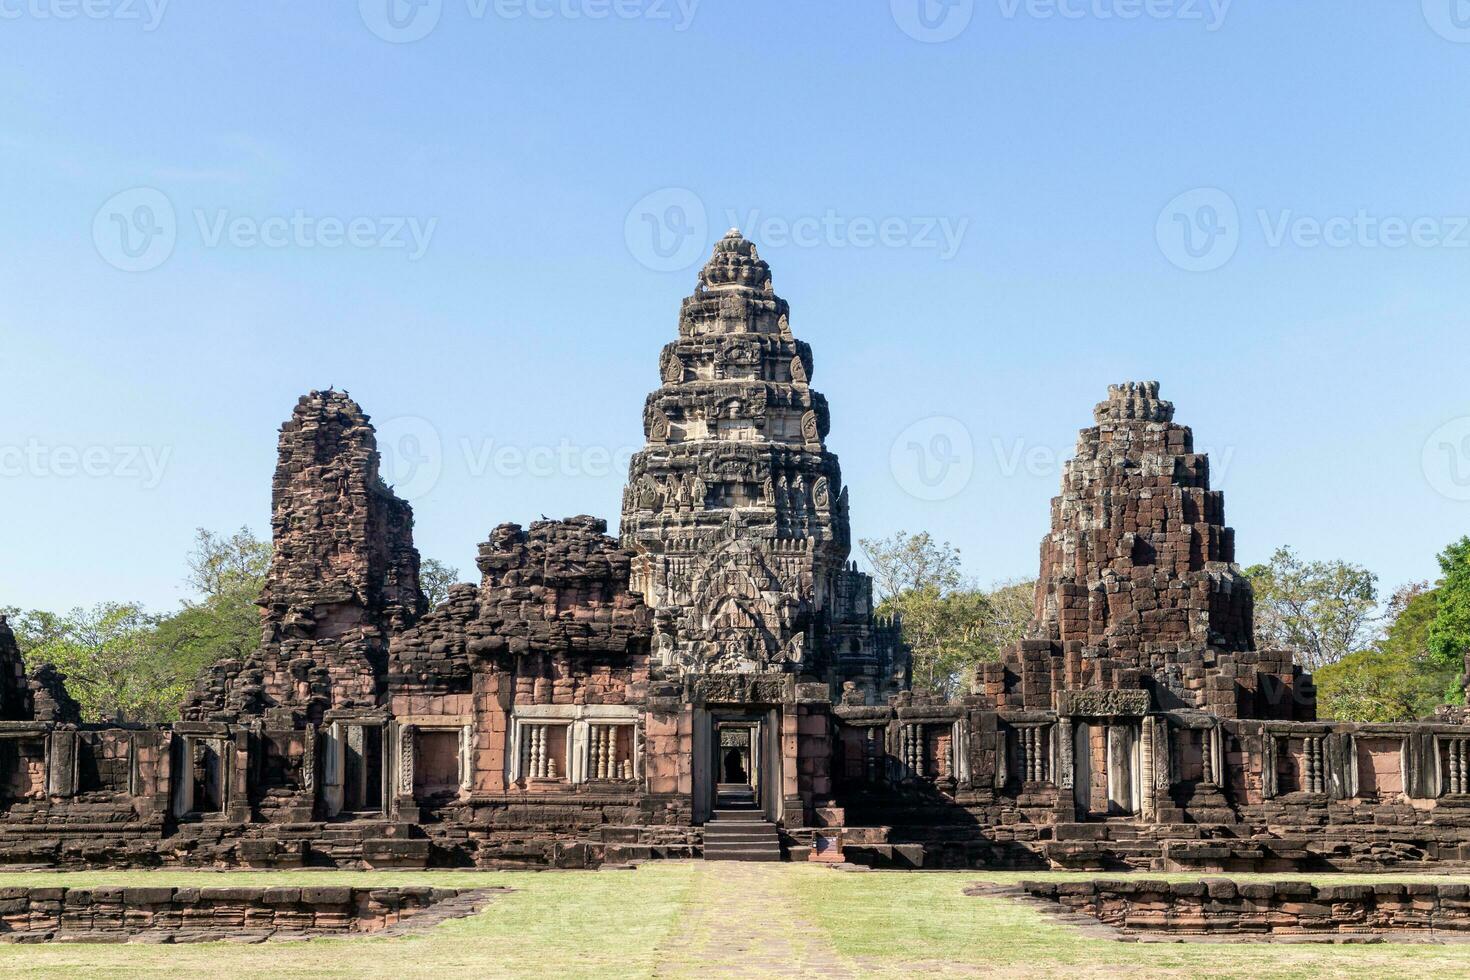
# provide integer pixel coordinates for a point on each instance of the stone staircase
(738, 830)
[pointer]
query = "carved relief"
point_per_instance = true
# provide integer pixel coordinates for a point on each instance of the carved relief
(809, 430)
(1103, 704)
(658, 428)
(821, 494)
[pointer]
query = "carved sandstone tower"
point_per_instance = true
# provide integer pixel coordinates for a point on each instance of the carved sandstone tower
(1139, 588)
(736, 509)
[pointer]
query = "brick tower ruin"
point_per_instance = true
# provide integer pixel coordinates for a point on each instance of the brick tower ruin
(736, 509)
(1139, 588)
(344, 574)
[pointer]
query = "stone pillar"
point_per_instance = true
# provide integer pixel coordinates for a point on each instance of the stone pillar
(309, 766)
(235, 779)
(1063, 753)
(334, 765)
(793, 808)
(405, 805)
(1421, 766)
(61, 763)
(467, 759)
(1163, 766)
(1121, 744)
(1148, 800)
(181, 774)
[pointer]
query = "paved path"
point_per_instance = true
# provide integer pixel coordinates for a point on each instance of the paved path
(743, 922)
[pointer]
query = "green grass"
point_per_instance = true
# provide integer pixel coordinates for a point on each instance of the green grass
(614, 923)
(884, 918)
(565, 924)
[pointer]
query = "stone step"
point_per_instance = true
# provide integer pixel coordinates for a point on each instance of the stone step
(744, 828)
(741, 842)
(743, 854)
(739, 816)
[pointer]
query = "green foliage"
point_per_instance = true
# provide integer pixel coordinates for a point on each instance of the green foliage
(113, 664)
(435, 578)
(1396, 680)
(1448, 637)
(1321, 610)
(950, 625)
(124, 664)
(32, 627)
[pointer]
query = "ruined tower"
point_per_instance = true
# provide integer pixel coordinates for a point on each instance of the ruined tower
(344, 574)
(736, 509)
(1139, 589)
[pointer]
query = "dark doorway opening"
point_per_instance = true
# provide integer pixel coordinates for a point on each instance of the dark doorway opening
(736, 769)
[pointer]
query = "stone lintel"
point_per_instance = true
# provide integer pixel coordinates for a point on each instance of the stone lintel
(1103, 704)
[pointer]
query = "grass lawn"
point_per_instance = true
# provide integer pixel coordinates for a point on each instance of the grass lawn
(637, 924)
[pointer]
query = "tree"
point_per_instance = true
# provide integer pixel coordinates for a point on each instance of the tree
(949, 625)
(32, 628)
(223, 622)
(226, 566)
(1321, 610)
(435, 578)
(1012, 605)
(903, 562)
(113, 664)
(1448, 636)
(1398, 679)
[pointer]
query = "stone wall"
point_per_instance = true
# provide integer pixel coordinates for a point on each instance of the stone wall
(163, 914)
(1266, 910)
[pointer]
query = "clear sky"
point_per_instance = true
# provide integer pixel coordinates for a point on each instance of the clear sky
(479, 218)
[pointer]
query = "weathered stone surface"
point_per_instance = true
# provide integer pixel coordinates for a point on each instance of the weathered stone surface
(596, 700)
(343, 576)
(1283, 910)
(1138, 587)
(737, 511)
(14, 691)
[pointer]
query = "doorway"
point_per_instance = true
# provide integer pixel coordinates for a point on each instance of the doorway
(737, 758)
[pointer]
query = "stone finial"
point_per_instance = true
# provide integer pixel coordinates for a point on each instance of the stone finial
(1134, 401)
(735, 262)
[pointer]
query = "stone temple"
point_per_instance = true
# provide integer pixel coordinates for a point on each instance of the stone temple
(714, 683)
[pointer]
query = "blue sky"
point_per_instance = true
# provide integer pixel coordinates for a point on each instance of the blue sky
(211, 209)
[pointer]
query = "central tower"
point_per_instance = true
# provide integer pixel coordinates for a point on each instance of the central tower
(735, 508)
